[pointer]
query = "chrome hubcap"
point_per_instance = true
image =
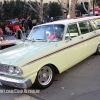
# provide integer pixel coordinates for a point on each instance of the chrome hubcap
(45, 75)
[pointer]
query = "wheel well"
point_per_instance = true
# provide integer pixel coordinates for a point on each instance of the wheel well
(55, 68)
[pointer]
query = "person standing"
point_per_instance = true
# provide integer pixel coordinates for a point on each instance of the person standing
(17, 21)
(48, 19)
(34, 22)
(18, 31)
(16, 25)
(1, 37)
(8, 31)
(25, 25)
(51, 19)
(28, 26)
(29, 23)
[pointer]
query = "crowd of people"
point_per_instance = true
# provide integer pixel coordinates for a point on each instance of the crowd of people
(29, 23)
(24, 29)
(26, 26)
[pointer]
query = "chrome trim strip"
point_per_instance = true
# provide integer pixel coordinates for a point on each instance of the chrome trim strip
(59, 50)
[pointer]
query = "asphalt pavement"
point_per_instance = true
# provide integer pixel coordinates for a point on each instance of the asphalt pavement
(81, 82)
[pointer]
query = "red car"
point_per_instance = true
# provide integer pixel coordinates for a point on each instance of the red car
(11, 24)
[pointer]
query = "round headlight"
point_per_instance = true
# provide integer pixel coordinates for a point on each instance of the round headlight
(17, 71)
(11, 69)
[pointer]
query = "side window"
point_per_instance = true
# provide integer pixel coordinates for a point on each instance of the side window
(72, 31)
(85, 27)
(97, 23)
(93, 25)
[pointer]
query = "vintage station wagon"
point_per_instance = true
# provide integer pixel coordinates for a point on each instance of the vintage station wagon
(49, 49)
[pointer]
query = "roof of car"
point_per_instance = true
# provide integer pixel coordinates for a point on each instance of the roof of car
(67, 21)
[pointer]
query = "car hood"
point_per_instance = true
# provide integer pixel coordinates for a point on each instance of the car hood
(20, 51)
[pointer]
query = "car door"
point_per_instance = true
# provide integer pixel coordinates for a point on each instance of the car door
(88, 34)
(74, 45)
(96, 24)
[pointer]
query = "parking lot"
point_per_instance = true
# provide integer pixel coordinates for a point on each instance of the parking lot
(81, 82)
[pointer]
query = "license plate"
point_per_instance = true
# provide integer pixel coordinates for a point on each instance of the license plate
(0, 83)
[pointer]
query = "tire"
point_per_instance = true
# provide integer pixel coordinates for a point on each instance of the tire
(45, 77)
(98, 50)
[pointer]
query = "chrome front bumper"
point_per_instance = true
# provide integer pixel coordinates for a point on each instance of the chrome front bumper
(15, 82)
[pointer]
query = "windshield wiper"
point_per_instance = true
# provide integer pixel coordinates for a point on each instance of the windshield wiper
(41, 39)
(27, 39)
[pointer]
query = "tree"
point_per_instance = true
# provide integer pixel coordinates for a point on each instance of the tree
(7, 10)
(45, 10)
(39, 8)
(13, 9)
(1, 9)
(86, 6)
(96, 2)
(72, 4)
(54, 9)
(63, 7)
(18, 8)
(81, 8)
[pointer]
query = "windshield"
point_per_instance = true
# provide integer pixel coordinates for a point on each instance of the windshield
(47, 32)
(13, 21)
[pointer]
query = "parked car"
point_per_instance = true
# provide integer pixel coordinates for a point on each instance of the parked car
(58, 18)
(49, 49)
(96, 11)
(11, 24)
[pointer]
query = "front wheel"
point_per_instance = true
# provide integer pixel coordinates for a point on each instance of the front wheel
(98, 49)
(45, 77)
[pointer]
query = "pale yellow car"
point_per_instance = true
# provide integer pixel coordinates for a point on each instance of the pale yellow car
(49, 49)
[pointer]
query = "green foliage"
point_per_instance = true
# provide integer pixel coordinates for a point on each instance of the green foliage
(97, 2)
(54, 9)
(80, 7)
(19, 9)
(45, 9)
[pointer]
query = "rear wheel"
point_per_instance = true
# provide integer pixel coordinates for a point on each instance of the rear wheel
(45, 77)
(98, 49)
